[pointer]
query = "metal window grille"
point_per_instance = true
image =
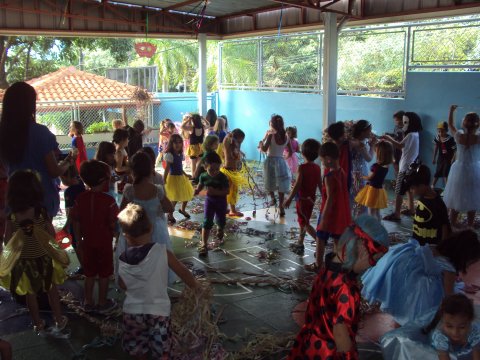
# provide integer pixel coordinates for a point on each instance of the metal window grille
(144, 77)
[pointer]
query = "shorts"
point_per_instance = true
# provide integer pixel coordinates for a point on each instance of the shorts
(399, 189)
(98, 261)
(215, 208)
(144, 333)
(325, 235)
(304, 211)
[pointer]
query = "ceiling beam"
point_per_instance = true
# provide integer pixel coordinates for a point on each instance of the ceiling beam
(181, 4)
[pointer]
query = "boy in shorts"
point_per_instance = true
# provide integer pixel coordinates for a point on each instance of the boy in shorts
(94, 217)
(143, 272)
(304, 191)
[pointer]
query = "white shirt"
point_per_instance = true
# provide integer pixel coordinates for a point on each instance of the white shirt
(410, 150)
(276, 150)
(147, 283)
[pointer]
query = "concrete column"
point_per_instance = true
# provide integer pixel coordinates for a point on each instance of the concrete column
(202, 78)
(330, 62)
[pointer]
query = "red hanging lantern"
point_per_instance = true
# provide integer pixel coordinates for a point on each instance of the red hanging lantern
(145, 49)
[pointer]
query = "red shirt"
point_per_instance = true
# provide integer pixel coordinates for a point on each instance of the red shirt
(97, 214)
(311, 178)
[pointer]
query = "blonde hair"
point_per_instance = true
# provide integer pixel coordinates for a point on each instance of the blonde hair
(384, 153)
(219, 125)
(117, 123)
(134, 221)
(209, 141)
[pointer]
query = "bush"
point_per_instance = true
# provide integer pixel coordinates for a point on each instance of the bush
(99, 127)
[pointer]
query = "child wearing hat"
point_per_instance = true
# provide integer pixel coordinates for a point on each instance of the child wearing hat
(445, 147)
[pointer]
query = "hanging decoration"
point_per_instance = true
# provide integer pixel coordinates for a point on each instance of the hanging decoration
(145, 49)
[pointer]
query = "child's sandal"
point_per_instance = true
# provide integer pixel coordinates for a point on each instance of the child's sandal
(202, 251)
(184, 213)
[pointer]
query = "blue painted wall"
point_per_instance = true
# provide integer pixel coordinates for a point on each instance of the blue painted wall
(428, 93)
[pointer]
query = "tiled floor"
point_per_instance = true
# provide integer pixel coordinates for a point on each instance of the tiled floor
(247, 309)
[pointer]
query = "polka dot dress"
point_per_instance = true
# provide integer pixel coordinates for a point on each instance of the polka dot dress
(334, 299)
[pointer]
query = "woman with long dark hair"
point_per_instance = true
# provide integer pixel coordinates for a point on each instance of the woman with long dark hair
(24, 144)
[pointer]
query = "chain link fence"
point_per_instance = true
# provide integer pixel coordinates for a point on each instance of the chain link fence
(371, 61)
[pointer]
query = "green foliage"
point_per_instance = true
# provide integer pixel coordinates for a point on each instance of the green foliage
(99, 127)
(59, 121)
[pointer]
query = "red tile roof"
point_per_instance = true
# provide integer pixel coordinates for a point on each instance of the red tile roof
(70, 84)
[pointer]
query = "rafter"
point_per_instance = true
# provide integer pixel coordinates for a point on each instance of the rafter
(181, 4)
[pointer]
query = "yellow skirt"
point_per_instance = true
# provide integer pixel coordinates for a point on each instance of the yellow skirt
(195, 151)
(220, 152)
(372, 197)
(237, 180)
(179, 188)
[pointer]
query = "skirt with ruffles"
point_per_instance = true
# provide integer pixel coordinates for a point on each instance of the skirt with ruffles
(179, 188)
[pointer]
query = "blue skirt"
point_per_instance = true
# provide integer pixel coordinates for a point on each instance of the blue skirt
(276, 174)
(408, 282)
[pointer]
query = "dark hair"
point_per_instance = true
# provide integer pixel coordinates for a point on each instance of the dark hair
(197, 121)
(226, 121)
(278, 125)
(310, 149)
(293, 130)
(171, 125)
(93, 172)
(420, 176)
(384, 153)
(18, 112)
(104, 148)
(211, 117)
(461, 248)
(456, 304)
(329, 149)
(414, 122)
(212, 158)
(472, 118)
(139, 125)
(149, 151)
(24, 191)
(141, 166)
(71, 172)
(120, 135)
(77, 125)
(359, 127)
(399, 114)
(238, 134)
(173, 139)
(336, 130)
(134, 221)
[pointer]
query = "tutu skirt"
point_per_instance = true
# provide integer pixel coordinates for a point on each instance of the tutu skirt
(179, 188)
(276, 174)
(461, 192)
(372, 197)
(237, 180)
(194, 151)
(408, 282)
(292, 163)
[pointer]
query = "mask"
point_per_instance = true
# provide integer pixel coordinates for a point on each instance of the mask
(406, 121)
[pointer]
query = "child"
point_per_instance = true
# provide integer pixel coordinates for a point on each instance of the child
(333, 312)
(233, 162)
(167, 128)
(410, 281)
(220, 130)
(177, 183)
(445, 146)
(430, 222)
(157, 177)
(31, 262)
(304, 190)
(106, 153)
(117, 124)
(120, 140)
(373, 195)
(135, 139)
(74, 188)
(144, 276)
(76, 132)
(292, 159)
(410, 146)
(210, 144)
(216, 201)
(398, 135)
(275, 170)
(335, 214)
(461, 194)
(150, 197)
(196, 135)
(336, 132)
(94, 218)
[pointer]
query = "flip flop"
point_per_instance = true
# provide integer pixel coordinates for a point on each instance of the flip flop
(391, 217)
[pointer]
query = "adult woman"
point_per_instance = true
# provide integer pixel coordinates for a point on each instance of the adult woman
(24, 144)
(362, 154)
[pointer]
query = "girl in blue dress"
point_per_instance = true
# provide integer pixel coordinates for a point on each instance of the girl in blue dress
(410, 281)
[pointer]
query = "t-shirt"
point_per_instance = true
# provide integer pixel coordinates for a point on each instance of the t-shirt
(219, 181)
(446, 147)
(97, 214)
(135, 141)
(430, 216)
(410, 150)
(71, 194)
(311, 178)
(40, 142)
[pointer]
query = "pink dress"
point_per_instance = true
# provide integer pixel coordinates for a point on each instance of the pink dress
(292, 161)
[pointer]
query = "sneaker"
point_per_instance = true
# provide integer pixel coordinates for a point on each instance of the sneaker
(108, 307)
(59, 326)
(40, 329)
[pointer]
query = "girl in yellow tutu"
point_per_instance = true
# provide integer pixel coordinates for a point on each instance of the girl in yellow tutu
(177, 182)
(31, 262)
(373, 195)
